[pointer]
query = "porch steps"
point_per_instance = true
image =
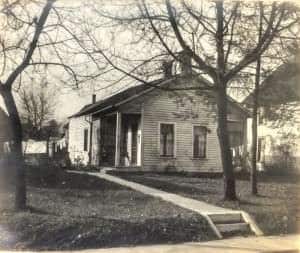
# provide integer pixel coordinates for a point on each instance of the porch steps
(223, 218)
(230, 224)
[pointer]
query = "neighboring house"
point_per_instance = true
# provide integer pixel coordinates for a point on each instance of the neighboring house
(52, 147)
(279, 118)
(36, 151)
(150, 128)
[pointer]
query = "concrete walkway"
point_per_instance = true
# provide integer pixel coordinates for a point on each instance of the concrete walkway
(203, 208)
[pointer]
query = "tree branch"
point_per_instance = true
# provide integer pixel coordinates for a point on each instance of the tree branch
(261, 46)
(39, 27)
(202, 64)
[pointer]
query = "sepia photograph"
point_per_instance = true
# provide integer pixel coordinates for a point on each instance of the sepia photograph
(131, 126)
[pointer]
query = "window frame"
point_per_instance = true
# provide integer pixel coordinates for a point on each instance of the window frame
(193, 138)
(85, 139)
(174, 145)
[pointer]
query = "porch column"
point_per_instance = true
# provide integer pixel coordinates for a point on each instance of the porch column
(118, 139)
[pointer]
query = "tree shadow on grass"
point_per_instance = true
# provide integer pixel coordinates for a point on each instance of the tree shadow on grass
(100, 232)
(69, 180)
(176, 188)
(36, 210)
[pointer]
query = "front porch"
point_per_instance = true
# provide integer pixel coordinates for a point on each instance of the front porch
(120, 140)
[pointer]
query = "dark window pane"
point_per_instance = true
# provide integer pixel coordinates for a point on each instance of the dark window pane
(199, 144)
(85, 140)
(167, 140)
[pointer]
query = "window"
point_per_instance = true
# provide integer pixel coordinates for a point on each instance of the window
(260, 149)
(167, 140)
(260, 116)
(85, 139)
(199, 141)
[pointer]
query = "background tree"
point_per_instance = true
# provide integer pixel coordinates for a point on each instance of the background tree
(37, 107)
(215, 35)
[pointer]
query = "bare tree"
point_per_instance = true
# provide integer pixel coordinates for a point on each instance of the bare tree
(37, 106)
(6, 92)
(215, 35)
(39, 37)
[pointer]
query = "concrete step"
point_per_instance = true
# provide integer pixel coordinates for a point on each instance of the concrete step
(234, 228)
(226, 218)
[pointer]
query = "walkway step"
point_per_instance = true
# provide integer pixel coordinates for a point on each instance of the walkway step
(225, 218)
(233, 228)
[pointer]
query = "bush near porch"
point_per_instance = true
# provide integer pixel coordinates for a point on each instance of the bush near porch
(276, 209)
(76, 211)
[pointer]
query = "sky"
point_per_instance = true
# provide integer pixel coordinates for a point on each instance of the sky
(70, 100)
(68, 103)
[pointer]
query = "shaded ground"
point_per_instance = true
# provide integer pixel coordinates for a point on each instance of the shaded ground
(276, 209)
(76, 211)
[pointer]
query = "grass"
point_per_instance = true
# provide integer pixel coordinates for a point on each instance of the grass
(276, 209)
(75, 211)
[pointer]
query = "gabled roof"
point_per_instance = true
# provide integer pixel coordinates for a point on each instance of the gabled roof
(133, 93)
(113, 100)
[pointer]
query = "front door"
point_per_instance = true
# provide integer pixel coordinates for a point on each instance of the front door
(108, 141)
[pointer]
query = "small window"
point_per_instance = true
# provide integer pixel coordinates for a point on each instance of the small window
(199, 144)
(260, 149)
(260, 116)
(85, 139)
(167, 140)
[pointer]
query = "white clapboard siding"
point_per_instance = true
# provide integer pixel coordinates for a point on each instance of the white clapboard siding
(76, 140)
(161, 107)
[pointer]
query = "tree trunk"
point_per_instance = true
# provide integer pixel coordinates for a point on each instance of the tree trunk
(253, 174)
(229, 179)
(16, 149)
(47, 147)
(221, 83)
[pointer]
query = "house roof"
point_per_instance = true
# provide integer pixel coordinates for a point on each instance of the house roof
(111, 101)
(281, 87)
(133, 93)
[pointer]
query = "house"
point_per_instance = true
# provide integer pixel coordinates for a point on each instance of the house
(149, 127)
(52, 145)
(279, 118)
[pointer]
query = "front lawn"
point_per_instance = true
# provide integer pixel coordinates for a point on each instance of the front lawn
(79, 211)
(276, 209)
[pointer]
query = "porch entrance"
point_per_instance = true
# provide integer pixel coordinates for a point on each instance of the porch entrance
(107, 140)
(120, 141)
